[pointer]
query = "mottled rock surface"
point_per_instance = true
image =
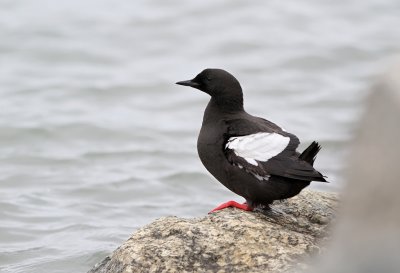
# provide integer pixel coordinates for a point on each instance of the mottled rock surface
(230, 240)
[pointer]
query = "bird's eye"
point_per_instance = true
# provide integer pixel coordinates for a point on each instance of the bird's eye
(208, 79)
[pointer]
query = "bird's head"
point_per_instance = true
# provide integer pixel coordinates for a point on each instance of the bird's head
(216, 82)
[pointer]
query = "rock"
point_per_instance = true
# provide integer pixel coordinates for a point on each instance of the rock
(367, 237)
(230, 240)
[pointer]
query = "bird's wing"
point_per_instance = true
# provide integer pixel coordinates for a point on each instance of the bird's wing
(260, 146)
(245, 127)
(263, 149)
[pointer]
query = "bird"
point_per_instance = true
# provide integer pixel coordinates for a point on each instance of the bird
(249, 155)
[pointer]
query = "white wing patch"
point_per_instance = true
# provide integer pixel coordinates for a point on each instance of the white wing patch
(259, 146)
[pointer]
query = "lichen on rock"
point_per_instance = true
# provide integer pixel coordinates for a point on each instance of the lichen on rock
(230, 240)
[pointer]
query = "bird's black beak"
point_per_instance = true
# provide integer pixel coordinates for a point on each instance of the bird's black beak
(191, 83)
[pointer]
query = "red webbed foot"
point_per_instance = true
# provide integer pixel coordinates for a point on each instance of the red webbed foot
(228, 204)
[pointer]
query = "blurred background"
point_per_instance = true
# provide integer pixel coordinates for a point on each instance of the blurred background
(96, 140)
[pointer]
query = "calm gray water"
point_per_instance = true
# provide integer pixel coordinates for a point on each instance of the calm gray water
(96, 140)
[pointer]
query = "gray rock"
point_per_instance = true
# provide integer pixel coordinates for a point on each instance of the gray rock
(367, 237)
(230, 240)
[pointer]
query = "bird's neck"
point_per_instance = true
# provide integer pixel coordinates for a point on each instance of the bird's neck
(228, 103)
(219, 107)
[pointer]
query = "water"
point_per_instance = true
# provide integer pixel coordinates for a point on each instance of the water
(96, 140)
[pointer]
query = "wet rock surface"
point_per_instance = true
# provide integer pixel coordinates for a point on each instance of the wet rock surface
(230, 240)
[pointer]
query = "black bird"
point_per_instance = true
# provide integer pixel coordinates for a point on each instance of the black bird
(251, 156)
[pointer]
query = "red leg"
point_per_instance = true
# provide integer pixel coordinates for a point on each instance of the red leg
(228, 204)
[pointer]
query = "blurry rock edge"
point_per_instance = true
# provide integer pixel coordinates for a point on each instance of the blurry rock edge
(366, 239)
(230, 240)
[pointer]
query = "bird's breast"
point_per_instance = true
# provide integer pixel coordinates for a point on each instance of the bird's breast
(210, 148)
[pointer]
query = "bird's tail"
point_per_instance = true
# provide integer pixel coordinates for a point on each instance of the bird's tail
(310, 153)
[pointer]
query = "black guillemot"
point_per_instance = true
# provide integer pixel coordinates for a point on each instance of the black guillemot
(251, 156)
